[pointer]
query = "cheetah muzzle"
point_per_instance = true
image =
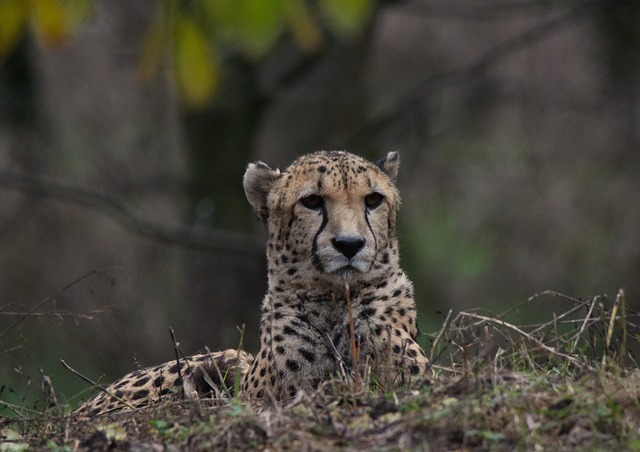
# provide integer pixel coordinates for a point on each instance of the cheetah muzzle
(331, 223)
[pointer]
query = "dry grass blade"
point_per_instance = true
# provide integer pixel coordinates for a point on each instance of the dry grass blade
(176, 349)
(441, 332)
(586, 321)
(508, 386)
(354, 348)
(524, 334)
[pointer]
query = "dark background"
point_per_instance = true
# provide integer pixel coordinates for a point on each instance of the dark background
(121, 206)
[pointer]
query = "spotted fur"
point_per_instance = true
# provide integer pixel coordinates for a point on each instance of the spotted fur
(331, 225)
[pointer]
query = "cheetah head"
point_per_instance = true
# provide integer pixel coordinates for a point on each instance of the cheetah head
(330, 216)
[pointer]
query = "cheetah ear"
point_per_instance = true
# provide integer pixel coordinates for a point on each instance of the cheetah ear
(390, 165)
(257, 182)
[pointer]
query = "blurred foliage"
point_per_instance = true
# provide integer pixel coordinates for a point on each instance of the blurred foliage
(198, 34)
(53, 21)
(194, 36)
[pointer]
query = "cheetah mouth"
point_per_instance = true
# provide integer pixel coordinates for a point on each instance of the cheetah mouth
(349, 269)
(342, 267)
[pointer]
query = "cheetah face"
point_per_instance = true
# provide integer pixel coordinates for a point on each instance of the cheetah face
(330, 215)
(342, 223)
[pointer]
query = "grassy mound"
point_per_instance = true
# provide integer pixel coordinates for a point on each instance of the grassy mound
(569, 383)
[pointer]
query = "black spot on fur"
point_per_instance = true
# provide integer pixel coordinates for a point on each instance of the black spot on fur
(158, 381)
(290, 331)
(397, 293)
(292, 365)
(140, 382)
(140, 394)
(307, 354)
(367, 313)
(367, 301)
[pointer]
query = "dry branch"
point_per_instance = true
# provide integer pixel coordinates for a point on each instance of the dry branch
(202, 239)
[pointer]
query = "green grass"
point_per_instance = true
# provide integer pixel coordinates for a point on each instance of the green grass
(568, 383)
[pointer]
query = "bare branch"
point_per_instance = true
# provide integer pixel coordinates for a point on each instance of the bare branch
(25, 315)
(200, 238)
(413, 97)
(96, 385)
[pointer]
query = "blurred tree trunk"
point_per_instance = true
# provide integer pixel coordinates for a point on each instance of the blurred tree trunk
(19, 148)
(224, 288)
(317, 108)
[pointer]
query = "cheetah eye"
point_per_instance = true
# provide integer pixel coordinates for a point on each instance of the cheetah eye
(312, 201)
(373, 200)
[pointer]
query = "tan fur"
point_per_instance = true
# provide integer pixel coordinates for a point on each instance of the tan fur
(330, 220)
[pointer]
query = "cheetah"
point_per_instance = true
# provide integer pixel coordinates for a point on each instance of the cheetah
(330, 219)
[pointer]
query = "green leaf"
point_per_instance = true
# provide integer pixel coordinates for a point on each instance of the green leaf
(155, 43)
(196, 69)
(13, 14)
(305, 30)
(56, 20)
(347, 17)
(260, 25)
(253, 25)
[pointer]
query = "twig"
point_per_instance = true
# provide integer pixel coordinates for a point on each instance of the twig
(50, 298)
(354, 349)
(415, 95)
(623, 319)
(439, 335)
(584, 324)
(579, 305)
(237, 384)
(96, 385)
(523, 334)
(176, 349)
(612, 320)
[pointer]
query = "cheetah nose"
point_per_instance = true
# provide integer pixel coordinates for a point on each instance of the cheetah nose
(348, 245)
